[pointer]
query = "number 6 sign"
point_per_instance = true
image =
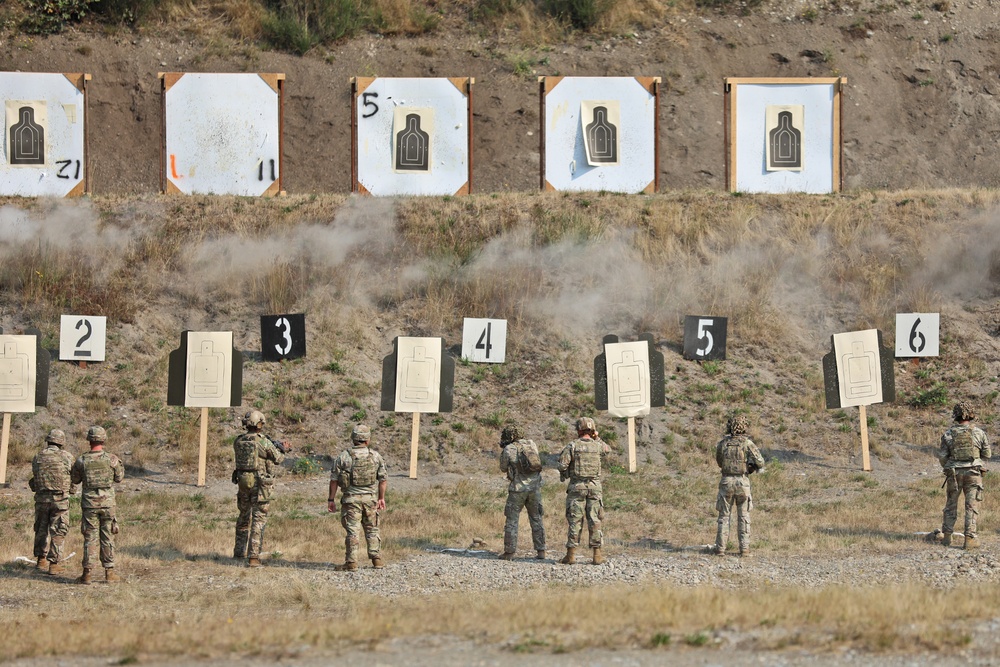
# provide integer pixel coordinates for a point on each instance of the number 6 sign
(705, 337)
(917, 334)
(82, 337)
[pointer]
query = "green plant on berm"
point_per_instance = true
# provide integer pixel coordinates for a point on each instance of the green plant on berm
(48, 17)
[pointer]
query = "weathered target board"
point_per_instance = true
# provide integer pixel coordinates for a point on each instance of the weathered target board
(599, 133)
(222, 133)
(45, 134)
(784, 134)
(411, 136)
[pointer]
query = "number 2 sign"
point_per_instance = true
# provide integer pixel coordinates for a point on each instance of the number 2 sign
(82, 337)
(705, 337)
(917, 334)
(484, 340)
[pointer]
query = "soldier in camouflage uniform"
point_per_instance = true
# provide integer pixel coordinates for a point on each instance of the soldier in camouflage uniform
(738, 457)
(50, 480)
(362, 477)
(256, 457)
(580, 463)
(98, 472)
(963, 448)
(520, 461)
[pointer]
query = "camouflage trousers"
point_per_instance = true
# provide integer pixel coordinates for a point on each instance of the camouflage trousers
(516, 500)
(99, 524)
(734, 490)
(51, 527)
(970, 482)
(357, 513)
(250, 523)
(584, 498)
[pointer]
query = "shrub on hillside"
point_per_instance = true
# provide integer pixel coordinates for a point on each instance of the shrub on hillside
(47, 17)
(583, 14)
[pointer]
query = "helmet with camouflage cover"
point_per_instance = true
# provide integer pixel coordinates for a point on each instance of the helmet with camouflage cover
(96, 434)
(963, 412)
(510, 434)
(254, 419)
(585, 424)
(361, 433)
(56, 436)
(738, 425)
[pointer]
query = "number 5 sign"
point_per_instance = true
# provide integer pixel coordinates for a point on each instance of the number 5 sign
(484, 340)
(82, 338)
(705, 337)
(917, 334)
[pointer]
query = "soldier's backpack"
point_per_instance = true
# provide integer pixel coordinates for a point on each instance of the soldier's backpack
(963, 446)
(245, 448)
(97, 471)
(586, 459)
(363, 468)
(528, 459)
(52, 470)
(734, 457)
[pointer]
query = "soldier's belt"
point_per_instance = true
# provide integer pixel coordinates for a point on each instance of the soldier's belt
(246, 470)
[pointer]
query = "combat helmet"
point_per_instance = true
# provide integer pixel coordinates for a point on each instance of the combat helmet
(738, 425)
(510, 434)
(96, 434)
(584, 424)
(56, 436)
(963, 412)
(254, 419)
(361, 433)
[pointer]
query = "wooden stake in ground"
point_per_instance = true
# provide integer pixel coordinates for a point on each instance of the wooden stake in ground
(203, 447)
(414, 442)
(866, 463)
(631, 445)
(4, 440)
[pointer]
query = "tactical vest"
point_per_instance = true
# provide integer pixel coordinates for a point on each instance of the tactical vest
(528, 460)
(52, 472)
(245, 447)
(586, 459)
(963, 446)
(734, 457)
(363, 468)
(97, 472)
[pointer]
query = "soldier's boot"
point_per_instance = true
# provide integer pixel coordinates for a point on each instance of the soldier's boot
(971, 543)
(570, 556)
(110, 576)
(239, 555)
(745, 552)
(598, 556)
(377, 563)
(253, 562)
(506, 555)
(719, 550)
(540, 555)
(347, 567)
(56, 568)
(85, 577)
(946, 540)
(41, 564)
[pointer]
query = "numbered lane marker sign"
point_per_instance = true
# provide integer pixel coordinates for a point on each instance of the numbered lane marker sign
(411, 136)
(917, 334)
(282, 336)
(705, 337)
(82, 337)
(44, 140)
(222, 133)
(484, 340)
(206, 371)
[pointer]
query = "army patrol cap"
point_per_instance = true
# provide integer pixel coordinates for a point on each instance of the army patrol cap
(510, 434)
(738, 425)
(585, 424)
(963, 412)
(96, 434)
(253, 419)
(361, 433)
(56, 436)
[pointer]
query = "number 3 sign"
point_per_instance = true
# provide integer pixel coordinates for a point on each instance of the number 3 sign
(917, 334)
(282, 337)
(82, 337)
(705, 337)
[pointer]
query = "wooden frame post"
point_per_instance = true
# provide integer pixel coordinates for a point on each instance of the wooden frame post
(414, 442)
(203, 447)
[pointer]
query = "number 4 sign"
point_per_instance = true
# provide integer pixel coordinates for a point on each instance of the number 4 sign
(82, 337)
(705, 337)
(917, 334)
(484, 340)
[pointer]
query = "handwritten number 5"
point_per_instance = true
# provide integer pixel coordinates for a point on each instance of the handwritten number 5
(366, 102)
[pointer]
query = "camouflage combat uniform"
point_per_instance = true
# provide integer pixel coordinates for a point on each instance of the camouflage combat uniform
(580, 461)
(524, 490)
(963, 447)
(98, 471)
(736, 454)
(50, 480)
(358, 473)
(256, 458)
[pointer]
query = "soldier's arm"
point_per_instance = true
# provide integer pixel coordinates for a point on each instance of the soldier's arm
(331, 497)
(984, 449)
(383, 484)
(119, 469)
(942, 455)
(505, 460)
(272, 452)
(76, 473)
(757, 457)
(565, 458)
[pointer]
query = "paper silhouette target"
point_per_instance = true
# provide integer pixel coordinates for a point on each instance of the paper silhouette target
(602, 123)
(205, 371)
(628, 378)
(27, 135)
(82, 337)
(18, 358)
(858, 367)
(413, 135)
(784, 130)
(418, 376)
(917, 334)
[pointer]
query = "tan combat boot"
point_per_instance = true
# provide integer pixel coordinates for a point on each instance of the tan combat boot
(946, 540)
(745, 553)
(540, 555)
(253, 562)
(110, 576)
(971, 543)
(506, 555)
(41, 564)
(598, 556)
(56, 568)
(570, 556)
(346, 567)
(377, 563)
(85, 577)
